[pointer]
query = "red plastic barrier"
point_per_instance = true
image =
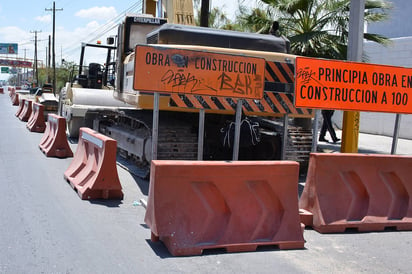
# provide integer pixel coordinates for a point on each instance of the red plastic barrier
(54, 142)
(36, 122)
(93, 171)
(1, 91)
(26, 112)
(15, 99)
(12, 91)
(197, 205)
(358, 191)
(21, 107)
(46, 134)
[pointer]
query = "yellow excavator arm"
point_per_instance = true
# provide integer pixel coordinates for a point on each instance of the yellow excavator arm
(176, 11)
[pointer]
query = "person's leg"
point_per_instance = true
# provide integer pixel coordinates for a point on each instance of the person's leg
(323, 129)
(329, 126)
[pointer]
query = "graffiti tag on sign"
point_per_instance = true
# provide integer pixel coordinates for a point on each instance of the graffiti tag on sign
(352, 86)
(172, 70)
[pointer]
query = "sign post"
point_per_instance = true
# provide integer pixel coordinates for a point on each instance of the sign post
(396, 133)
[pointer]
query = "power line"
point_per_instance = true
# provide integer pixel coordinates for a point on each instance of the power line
(110, 25)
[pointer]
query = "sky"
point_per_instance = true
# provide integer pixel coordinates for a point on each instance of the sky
(78, 21)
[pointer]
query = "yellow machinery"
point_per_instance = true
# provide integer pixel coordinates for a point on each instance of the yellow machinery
(129, 120)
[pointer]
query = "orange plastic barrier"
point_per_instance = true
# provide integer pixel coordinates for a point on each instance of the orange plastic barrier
(54, 142)
(36, 122)
(358, 191)
(21, 107)
(93, 171)
(46, 133)
(197, 205)
(12, 91)
(15, 99)
(26, 112)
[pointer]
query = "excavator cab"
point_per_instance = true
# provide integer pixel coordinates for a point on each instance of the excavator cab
(95, 75)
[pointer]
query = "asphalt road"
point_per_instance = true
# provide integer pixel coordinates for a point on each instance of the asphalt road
(46, 228)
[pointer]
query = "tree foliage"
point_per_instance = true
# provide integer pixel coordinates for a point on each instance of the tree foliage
(63, 75)
(316, 28)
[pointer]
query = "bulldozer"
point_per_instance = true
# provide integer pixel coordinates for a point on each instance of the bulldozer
(102, 97)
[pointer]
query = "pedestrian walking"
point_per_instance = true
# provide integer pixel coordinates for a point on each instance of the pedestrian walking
(327, 126)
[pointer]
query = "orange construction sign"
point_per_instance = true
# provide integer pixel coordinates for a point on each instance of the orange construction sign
(171, 70)
(345, 85)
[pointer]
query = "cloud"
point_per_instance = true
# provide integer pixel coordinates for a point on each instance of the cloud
(44, 18)
(93, 25)
(97, 13)
(14, 34)
(22, 37)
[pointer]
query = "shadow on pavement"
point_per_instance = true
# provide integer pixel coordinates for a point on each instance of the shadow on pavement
(107, 203)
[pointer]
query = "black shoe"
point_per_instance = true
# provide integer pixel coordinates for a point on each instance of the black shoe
(337, 140)
(323, 140)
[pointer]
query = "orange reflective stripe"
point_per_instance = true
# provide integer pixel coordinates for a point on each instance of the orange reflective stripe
(276, 102)
(288, 103)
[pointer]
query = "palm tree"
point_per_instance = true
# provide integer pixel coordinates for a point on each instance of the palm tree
(217, 18)
(315, 28)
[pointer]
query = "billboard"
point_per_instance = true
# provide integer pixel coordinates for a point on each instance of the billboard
(8, 48)
(15, 63)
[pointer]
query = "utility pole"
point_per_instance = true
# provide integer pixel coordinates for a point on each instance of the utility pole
(25, 69)
(204, 13)
(35, 54)
(48, 60)
(54, 52)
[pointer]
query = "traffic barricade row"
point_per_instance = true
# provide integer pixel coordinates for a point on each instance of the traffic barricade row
(239, 206)
(101, 180)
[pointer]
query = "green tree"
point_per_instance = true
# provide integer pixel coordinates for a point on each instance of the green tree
(217, 18)
(315, 28)
(63, 74)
